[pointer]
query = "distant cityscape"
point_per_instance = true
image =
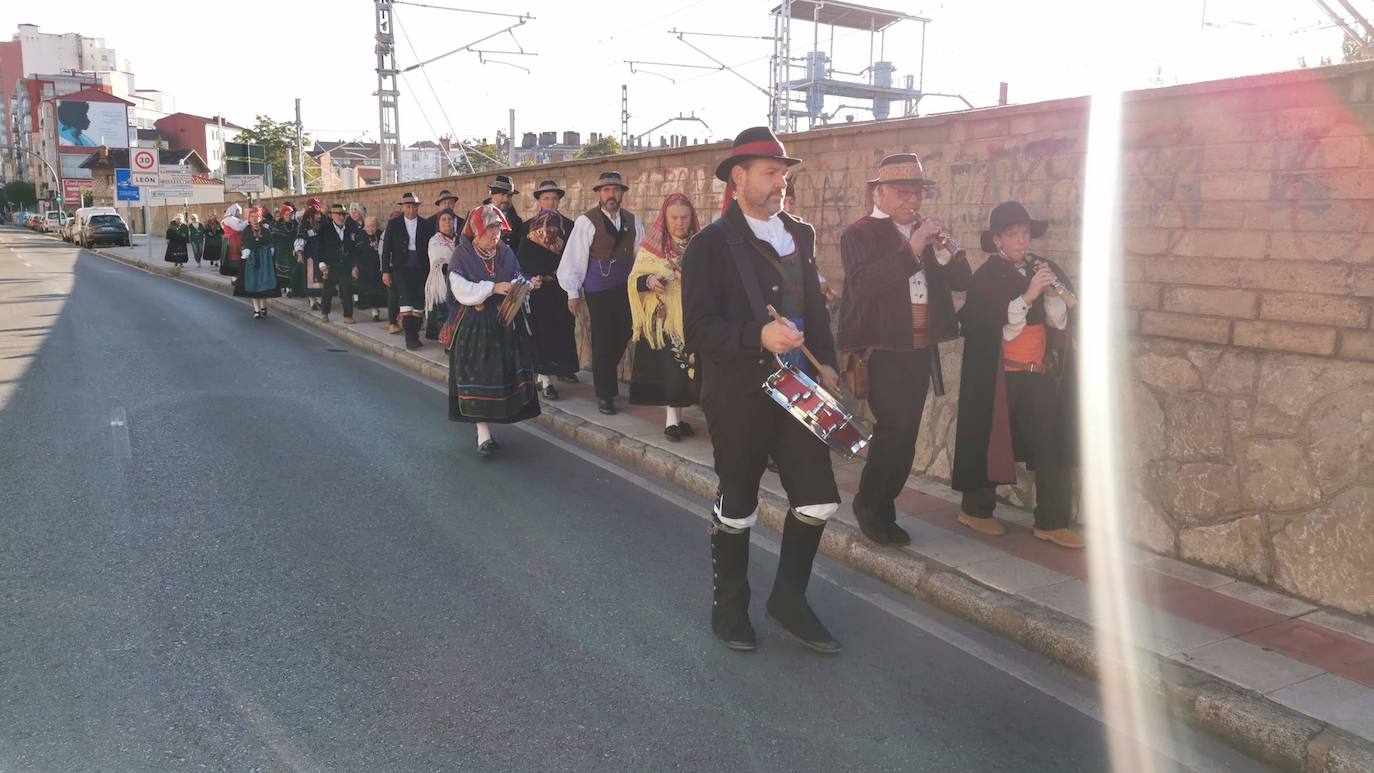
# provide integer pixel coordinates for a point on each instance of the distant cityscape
(73, 110)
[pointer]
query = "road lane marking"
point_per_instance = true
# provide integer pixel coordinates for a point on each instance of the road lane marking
(119, 428)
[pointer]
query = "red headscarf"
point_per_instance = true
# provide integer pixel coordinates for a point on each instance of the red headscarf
(661, 243)
(482, 217)
(314, 203)
(286, 210)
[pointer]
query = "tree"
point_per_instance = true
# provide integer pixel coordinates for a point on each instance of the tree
(20, 193)
(478, 153)
(275, 137)
(606, 146)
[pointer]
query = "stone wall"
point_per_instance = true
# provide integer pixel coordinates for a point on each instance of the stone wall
(1248, 212)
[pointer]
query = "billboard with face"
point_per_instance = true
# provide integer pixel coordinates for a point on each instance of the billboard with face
(88, 124)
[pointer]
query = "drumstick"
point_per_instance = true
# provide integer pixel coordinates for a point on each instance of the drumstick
(815, 363)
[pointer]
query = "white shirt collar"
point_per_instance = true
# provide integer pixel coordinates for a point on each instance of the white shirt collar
(906, 230)
(615, 219)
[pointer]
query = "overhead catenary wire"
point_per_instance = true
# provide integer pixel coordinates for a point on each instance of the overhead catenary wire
(437, 100)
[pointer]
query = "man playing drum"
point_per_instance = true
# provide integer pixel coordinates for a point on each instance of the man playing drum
(754, 257)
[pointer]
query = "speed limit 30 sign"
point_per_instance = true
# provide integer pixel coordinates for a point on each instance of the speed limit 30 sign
(143, 167)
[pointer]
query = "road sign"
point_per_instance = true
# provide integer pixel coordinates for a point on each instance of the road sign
(174, 182)
(125, 190)
(243, 183)
(143, 165)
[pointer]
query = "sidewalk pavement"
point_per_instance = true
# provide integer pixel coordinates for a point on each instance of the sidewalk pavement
(1275, 675)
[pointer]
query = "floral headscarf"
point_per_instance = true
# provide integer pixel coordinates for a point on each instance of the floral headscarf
(659, 242)
(482, 217)
(544, 219)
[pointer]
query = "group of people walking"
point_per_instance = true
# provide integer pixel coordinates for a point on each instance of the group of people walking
(713, 312)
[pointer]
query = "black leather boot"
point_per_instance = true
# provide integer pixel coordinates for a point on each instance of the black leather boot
(787, 606)
(730, 587)
(411, 324)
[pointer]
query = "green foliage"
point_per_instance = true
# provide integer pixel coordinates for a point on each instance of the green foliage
(20, 194)
(276, 137)
(606, 146)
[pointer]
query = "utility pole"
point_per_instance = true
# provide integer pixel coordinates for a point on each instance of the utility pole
(624, 117)
(388, 94)
(299, 179)
(510, 160)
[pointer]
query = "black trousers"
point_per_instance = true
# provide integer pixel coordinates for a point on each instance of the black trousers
(745, 430)
(393, 302)
(342, 283)
(409, 284)
(897, 385)
(609, 311)
(1035, 423)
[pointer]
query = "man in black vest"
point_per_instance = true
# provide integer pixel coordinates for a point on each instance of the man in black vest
(753, 257)
(405, 265)
(338, 267)
(597, 260)
(897, 308)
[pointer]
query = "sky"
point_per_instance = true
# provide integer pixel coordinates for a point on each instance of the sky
(218, 61)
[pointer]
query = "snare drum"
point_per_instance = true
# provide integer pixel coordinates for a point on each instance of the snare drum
(818, 410)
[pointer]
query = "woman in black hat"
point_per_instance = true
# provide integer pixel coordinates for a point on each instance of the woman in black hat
(1015, 322)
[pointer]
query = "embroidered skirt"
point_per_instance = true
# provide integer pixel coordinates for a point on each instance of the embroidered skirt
(491, 369)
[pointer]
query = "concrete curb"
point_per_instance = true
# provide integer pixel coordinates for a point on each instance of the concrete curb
(1280, 736)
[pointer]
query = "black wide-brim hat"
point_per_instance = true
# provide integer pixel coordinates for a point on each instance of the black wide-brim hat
(445, 195)
(1005, 215)
(548, 186)
(408, 198)
(610, 178)
(502, 184)
(754, 142)
(337, 209)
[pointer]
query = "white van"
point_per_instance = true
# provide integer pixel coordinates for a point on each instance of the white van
(81, 217)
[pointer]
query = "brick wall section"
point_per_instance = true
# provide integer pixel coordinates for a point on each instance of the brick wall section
(1247, 220)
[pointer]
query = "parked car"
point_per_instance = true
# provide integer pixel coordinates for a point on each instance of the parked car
(79, 217)
(53, 221)
(104, 228)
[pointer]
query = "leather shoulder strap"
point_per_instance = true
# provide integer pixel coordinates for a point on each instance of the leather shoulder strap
(739, 253)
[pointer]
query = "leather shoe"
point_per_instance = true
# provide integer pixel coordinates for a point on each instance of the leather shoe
(674, 433)
(606, 405)
(393, 328)
(896, 535)
(1064, 538)
(550, 393)
(686, 429)
(989, 526)
(872, 525)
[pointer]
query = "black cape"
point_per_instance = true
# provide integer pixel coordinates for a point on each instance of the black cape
(985, 445)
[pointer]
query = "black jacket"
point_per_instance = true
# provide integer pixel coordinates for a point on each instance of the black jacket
(396, 242)
(876, 308)
(335, 252)
(723, 325)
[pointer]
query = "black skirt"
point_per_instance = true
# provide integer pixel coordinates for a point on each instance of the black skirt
(553, 328)
(371, 291)
(491, 369)
(660, 378)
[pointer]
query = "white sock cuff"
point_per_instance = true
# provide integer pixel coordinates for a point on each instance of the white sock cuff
(746, 522)
(819, 512)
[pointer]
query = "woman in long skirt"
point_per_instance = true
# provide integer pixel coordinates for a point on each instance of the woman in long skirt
(491, 364)
(178, 235)
(441, 247)
(258, 280)
(214, 240)
(367, 254)
(283, 231)
(539, 255)
(664, 373)
(232, 225)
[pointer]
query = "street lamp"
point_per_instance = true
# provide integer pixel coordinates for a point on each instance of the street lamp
(56, 182)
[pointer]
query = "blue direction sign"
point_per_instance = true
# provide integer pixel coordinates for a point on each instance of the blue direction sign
(125, 190)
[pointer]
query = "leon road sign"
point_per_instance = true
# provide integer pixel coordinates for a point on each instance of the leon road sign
(143, 168)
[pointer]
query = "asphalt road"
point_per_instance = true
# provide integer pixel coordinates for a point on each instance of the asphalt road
(224, 546)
